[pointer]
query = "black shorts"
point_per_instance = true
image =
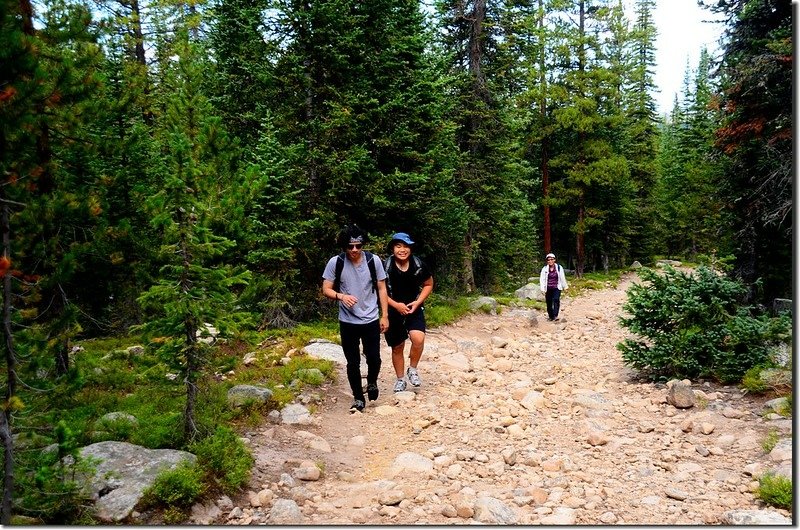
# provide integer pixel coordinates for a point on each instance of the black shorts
(400, 325)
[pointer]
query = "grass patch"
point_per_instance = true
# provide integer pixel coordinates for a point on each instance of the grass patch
(593, 281)
(786, 409)
(770, 441)
(440, 311)
(175, 488)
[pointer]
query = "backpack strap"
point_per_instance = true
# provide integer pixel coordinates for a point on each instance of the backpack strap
(418, 263)
(337, 282)
(387, 264)
(372, 271)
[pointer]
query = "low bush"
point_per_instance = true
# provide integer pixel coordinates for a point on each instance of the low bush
(775, 490)
(225, 459)
(47, 479)
(176, 488)
(752, 380)
(695, 325)
(771, 440)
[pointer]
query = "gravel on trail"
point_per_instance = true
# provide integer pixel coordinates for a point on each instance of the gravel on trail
(518, 421)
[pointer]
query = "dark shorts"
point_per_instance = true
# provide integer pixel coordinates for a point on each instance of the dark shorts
(400, 325)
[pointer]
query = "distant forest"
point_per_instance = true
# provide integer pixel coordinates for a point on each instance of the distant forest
(160, 152)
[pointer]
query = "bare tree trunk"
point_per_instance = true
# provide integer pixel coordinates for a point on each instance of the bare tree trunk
(580, 249)
(190, 329)
(476, 43)
(546, 194)
(11, 359)
(8, 468)
(11, 377)
(192, 368)
(138, 33)
(26, 9)
(469, 272)
(141, 59)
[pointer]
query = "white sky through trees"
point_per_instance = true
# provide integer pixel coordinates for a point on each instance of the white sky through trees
(682, 33)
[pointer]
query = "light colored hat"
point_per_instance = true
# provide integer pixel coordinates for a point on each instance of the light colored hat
(551, 255)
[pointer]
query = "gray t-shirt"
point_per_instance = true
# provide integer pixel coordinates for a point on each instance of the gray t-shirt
(357, 281)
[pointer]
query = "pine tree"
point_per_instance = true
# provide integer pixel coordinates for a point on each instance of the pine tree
(242, 70)
(491, 186)
(593, 186)
(196, 289)
(756, 138)
(359, 104)
(688, 190)
(641, 136)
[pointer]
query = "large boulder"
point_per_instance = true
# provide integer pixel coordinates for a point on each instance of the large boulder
(325, 349)
(484, 303)
(530, 291)
(244, 394)
(122, 473)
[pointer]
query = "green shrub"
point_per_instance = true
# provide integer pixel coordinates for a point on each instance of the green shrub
(178, 487)
(45, 480)
(173, 515)
(225, 459)
(310, 376)
(164, 429)
(695, 325)
(770, 441)
(786, 410)
(775, 490)
(752, 380)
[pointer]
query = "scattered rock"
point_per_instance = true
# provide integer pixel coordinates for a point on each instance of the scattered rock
(243, 394)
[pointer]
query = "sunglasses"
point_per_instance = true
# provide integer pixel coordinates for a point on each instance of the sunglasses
(356, 246)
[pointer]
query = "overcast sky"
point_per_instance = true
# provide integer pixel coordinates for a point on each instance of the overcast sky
(681, 35)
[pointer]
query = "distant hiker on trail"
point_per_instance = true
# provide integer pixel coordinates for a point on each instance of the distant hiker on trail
(552, 281)
(356, 279)
(409, 284)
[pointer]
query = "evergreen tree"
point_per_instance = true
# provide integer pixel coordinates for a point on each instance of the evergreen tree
(594, 186)
(499, 214)
(688, 200)
(196, 288)
(360, 107)
(756, 138)
(641, 137)
(270, 232)
(63, 213)
(48, 75)
(533, 32)
(242, 72)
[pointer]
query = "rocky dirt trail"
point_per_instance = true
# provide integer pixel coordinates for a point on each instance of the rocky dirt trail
(518, 421)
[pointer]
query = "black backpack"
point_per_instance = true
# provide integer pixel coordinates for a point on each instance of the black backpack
(389, 262)
(340, 266)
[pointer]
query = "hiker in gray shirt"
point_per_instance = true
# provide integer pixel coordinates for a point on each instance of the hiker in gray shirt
(357, 280)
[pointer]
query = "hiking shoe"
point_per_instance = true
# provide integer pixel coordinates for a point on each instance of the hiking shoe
(372, 391)
(413, 376)
(399, 385)
(358, 405)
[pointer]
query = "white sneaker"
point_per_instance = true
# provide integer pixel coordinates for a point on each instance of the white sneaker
(413, 376)
(399, 385)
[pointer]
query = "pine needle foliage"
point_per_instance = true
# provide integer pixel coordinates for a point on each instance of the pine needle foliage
(694, 324)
